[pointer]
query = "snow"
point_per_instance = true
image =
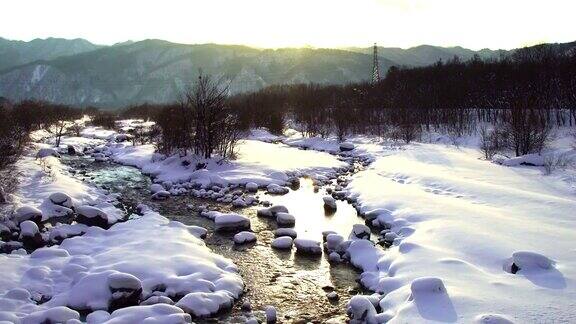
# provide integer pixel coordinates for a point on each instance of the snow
(25, 213)
(457, 218)
(103, 268)
(258, 162)
(28, 228)
(47, 151)
(202, 304)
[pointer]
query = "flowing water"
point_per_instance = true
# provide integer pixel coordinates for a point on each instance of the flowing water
(296, 285)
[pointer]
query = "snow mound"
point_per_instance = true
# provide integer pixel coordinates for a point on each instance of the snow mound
(61, 199)
(528, 262)
(361, 310)
(149, 314)
(27, 213)
(52, 315)
(47, 151)
(201, 304)
(528, 159)
(93, 216)
(231, 222)
(251, 187)
(427, 285)
(492, 319)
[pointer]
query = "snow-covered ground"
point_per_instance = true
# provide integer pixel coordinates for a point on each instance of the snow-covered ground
(461, 219)
(472, 240)
(259, 162)
(102, 270)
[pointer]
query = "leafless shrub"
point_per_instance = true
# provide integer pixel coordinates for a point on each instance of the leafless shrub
(492, 141)
(554, 162)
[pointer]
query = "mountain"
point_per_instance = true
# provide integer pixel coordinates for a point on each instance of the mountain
(14, 53)
(77, 72)
(158, 71)
(426, 54)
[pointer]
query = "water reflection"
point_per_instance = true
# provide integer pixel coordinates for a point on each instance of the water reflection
(312, 218)
(295, 284)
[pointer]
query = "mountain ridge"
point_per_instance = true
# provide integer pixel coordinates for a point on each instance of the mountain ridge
(158, 71)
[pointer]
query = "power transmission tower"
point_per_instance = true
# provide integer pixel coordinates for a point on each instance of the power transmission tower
(375, 68)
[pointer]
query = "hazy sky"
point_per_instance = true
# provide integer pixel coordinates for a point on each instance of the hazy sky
(267, 23)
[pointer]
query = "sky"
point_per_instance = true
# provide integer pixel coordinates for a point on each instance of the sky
(472, 24)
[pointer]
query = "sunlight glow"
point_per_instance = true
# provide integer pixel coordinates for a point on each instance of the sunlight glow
(295, 23)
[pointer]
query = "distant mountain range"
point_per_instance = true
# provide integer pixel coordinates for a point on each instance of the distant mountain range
(77, 72)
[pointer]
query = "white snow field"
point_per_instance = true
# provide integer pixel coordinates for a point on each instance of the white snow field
(461, 222)
(147, 258)
(258, 162)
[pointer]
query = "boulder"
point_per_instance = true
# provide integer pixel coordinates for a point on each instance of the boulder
(306, 246)
(275, 189)
(360, 231)
(244, 237)
(251, 187)
(28, 213)
(92, 216)
(126, 290)
(48, 151)
(285, 219)
(30, 235)
(286, 232)
(61, 199)
(161, 195)
(346, 146)
(282, 243)
(231, 222)
(329, 203)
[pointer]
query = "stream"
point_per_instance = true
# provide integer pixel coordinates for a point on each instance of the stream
(296, 285)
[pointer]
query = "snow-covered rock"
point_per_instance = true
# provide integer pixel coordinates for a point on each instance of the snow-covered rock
(251, 187)
(361, 310)
(244, 237)
(528, 159)
(28, 228)
(528, 262)
(161, 195)
(58, 314)
(275, 189)
(204, 304)
(28, 213)
(282, 243)
(307, 246)
(346, 146)
(93, 216)
(360, 231)
(156, 187)
(61, 199)
(47, 151)
(153, 314)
